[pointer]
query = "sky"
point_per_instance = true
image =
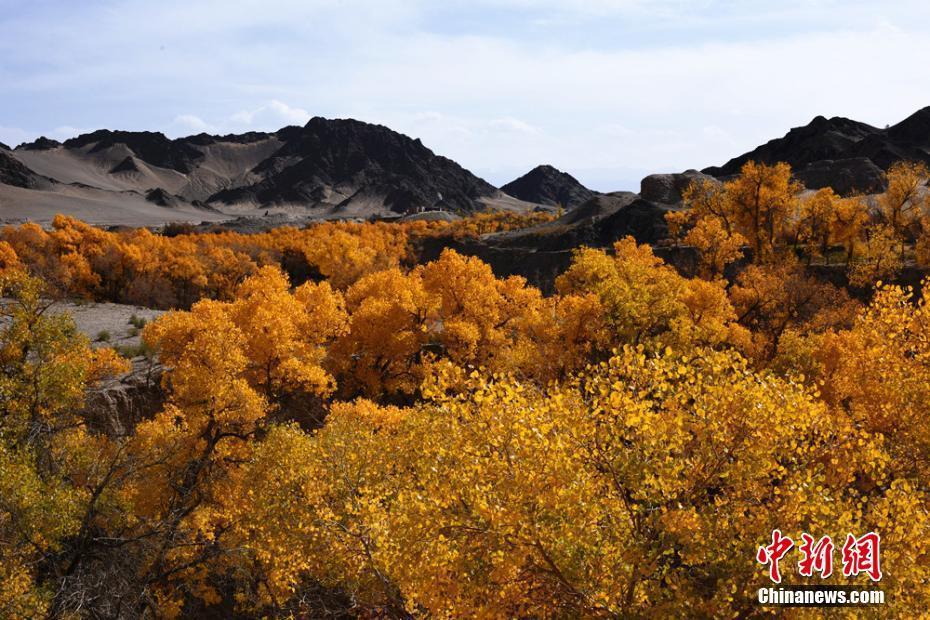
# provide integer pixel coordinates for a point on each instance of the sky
(607, 90)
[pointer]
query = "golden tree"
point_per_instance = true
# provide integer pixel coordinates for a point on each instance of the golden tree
(646, 301)
(905, 199)
(48, 490)
(757, 204)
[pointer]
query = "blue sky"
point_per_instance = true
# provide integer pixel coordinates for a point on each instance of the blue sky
(608, 90)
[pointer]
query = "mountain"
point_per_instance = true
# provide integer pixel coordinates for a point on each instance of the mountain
(847, 155)
(40, 144)
(668, 188)
(338, 162)
(327, 168)
(14, 173)
(549, 186)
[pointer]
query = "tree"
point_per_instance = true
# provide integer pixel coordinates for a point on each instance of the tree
(646, 301)
(716, 247)
(757, 204)
(904, 200)
(849, 219)
(603, 496)
(771, 299)
(815, 217)
(47, 490)
(880, 259)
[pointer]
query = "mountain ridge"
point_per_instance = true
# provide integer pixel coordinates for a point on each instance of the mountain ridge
(325, 168)
(848, 155)
(548, 185)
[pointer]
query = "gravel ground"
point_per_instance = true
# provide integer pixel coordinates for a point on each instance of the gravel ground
(107, 324)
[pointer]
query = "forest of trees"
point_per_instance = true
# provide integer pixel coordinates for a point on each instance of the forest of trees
(391, 439)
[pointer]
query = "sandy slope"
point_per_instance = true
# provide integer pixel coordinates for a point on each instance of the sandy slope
(94, 206)
(108, 187)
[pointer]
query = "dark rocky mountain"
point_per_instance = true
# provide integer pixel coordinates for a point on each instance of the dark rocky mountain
(549, 186)
(345, 168)
(151, 147)
(127, 165)
(338, 161)
(5, 147)
(668, 188)
(40, 144)
(845, 176)
(540, 253)
(161, 198)
(15, 173)
(845, 154)
(596, 223)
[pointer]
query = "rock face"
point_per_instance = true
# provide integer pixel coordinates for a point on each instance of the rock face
(161, 198)
(597, 223)
(845, 176)
(344, 168)
(127, 165)
(338, 161)
(5, 147)
(542, 252)
(549, 186)
(118, 405)
(668, 188)
(844, 154)
(15, 173)
(151, 147)
(40, 144)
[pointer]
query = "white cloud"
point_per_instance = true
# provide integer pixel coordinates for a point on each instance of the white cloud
(273, 111)
(602, 88)
(193, 123)
(513, 125)
(290, 114)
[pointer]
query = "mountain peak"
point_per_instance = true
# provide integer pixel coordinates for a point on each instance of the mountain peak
(821, 139)
(847, 155)
(40, 144)
(340, 161)
(546, 184)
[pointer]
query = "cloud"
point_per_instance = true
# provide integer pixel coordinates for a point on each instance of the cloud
(290, 114)
(193, 123)
(273, 111)
(602, 88)
(513, 125)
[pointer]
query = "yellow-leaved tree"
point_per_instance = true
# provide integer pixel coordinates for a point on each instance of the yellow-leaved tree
(49, 462)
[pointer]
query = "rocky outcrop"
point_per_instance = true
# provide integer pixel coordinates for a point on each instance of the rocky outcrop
(128, 164)
(115, 407)
(359, 161)
(549, 186)
(40, 144)
(15, 173)
(857, 175)
(151, 147)
(820, 139)
(846, 155)
(542, 252)
(668, 188)
(162, 198)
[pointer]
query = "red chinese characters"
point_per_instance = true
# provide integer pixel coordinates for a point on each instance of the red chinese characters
(861, 555)
(773, 553)
(816, 556)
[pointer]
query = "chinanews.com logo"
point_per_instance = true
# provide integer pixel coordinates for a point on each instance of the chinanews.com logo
(858, 555)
